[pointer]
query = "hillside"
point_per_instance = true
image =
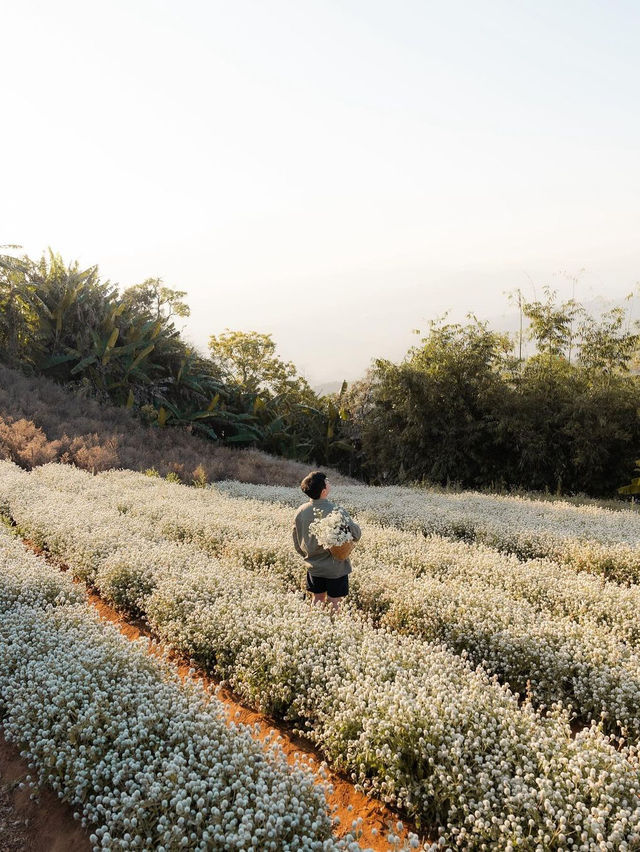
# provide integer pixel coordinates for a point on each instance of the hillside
(41, 421)
(476, 672)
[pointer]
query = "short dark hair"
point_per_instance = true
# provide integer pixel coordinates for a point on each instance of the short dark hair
(314, 484)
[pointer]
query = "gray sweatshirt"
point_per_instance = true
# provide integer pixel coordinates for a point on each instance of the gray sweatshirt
(320, 562)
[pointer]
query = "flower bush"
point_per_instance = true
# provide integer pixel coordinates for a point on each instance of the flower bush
(545, 630)
(408, 718)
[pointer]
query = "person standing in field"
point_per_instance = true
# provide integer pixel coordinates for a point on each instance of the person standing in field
(327, 577)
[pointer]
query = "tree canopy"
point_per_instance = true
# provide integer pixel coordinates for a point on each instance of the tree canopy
(460, 407)
(248, 359)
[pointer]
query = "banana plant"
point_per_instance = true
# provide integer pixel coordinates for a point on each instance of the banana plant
(215, 422)
(19, 314)
(634, 486)
(319, 433)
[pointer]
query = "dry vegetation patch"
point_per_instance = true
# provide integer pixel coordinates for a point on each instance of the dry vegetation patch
(42, 422)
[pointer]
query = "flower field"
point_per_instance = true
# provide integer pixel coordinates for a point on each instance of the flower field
(414, 689)
(588, 538)
(561, 635)
(147, 761)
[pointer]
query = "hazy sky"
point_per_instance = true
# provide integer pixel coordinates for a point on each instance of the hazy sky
(336, 173)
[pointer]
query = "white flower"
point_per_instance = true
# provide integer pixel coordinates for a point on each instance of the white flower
(332, 529)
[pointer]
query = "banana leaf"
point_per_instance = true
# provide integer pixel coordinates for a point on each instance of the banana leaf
(117, 311)
(243, 416)
(141, 356)
(199, 415)
(111, 342)
(629, 490)
(55, 360)
(207, 430)
(86, 362)
(241, 438)
(275, 426)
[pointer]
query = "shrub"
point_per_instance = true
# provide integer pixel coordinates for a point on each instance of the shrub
(93, 452)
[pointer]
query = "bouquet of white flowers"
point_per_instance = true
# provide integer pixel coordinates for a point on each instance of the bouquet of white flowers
(332, 531)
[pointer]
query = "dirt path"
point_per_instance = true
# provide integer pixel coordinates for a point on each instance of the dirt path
(28, 825)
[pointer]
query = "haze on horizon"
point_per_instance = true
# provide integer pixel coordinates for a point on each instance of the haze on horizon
(334, 173)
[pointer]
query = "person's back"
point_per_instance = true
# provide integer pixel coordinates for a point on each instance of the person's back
(326, 575)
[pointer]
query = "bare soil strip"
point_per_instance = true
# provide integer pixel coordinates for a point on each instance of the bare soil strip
(44, 824)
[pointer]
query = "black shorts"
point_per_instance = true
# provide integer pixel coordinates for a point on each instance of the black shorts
(338, 588)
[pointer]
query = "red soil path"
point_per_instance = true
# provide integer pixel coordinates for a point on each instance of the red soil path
(28, 825)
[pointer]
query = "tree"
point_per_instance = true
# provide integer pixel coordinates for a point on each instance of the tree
(19, 311)
(434, 416)
(75, 305)
(155, 300)
(249, 360)
(550, 324)
(537, 422)
(605, 345)
(10, 263)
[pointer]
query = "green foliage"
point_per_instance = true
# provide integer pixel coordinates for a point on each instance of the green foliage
(634, 486)
(155, 301)
(606, 345)
(249, 360)
(461, 409)
(551, 324)
(65, 322)
(19, 318)
(280, 410)
(432, 417)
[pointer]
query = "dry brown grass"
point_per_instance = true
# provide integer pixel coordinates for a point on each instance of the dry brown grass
(22, 442)
(41, 422)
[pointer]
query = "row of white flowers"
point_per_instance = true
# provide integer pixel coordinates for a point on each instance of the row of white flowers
(542, 628)
(184, 513)
(590, 538)
(407, 718)
(150, 763)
